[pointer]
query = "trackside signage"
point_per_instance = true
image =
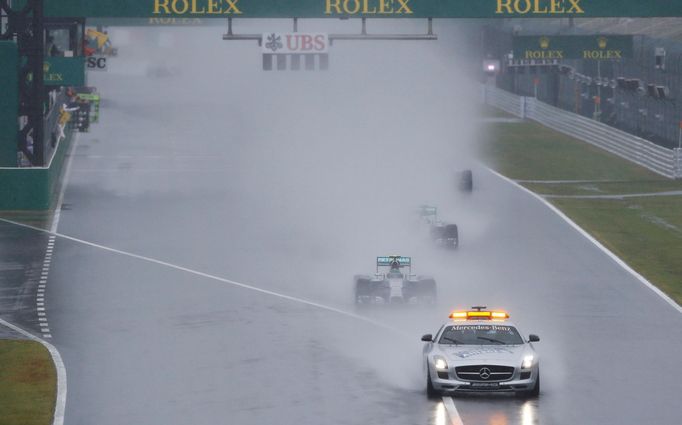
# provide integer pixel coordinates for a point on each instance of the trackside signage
(295, 43)
(586, 47)
(360, 8)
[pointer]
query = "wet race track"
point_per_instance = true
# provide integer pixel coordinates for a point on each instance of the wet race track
(240, 204)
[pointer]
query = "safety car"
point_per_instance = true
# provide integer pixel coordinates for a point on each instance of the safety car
(479, 350)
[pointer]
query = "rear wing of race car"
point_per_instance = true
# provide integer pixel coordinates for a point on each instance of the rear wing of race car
(428, 213)
(394, 261)
(427, 210)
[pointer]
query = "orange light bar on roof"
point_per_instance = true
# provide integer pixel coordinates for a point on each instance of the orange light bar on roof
(479, 315)
(458, 315)
(500, 315)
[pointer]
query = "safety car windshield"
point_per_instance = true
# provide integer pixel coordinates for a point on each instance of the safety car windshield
(480, 334)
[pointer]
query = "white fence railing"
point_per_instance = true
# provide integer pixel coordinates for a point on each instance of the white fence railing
(666, 162)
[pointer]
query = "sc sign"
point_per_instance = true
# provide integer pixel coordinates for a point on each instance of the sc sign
(96, 63)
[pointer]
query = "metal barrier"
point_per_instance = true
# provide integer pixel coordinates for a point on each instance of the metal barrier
(663, 161)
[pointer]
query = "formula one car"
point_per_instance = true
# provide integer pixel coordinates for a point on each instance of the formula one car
(445, 235)
(479, 350)
(394, 286)
(465, 181)
(427, 214)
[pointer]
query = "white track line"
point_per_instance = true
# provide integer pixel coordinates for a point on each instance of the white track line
(65, 181)
(453, 414)
(598, 244)
(205, 275)
(40, 299)
(60, 403)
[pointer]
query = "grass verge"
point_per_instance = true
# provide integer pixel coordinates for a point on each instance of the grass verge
(28, 383)
(646, 232)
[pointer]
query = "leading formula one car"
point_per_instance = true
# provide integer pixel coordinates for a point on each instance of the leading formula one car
(394, 286)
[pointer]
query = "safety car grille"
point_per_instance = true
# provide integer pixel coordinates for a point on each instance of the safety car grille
(486, 373)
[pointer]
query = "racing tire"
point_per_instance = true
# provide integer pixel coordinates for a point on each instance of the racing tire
(427, 290)
(431, 393)
(362, 288)
(466, 181)
(533, 393)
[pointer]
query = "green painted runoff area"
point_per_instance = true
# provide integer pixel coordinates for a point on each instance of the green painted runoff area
(28, 383)
(362, 8)
(646, 232)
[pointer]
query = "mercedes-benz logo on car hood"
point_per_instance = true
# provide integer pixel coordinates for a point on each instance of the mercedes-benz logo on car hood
(484, 373)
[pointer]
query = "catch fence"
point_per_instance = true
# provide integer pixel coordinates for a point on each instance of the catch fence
(661, 160)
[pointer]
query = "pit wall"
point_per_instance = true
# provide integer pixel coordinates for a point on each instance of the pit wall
(33, 188)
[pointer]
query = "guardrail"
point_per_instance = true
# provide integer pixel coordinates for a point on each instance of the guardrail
(663, 161)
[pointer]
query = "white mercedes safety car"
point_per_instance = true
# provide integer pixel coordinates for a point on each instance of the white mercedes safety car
(480, 350)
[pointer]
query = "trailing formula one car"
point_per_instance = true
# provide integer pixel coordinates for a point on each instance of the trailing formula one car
(394, 286)
(427, 214)
(465, 181)
(445, 235)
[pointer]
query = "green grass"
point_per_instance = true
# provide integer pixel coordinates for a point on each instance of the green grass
(28, 383)
(529, 151)
(487, 111)
(646, 232)
(607, 188)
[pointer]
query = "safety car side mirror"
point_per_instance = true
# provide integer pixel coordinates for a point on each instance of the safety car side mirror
(427, 338)
(533, 338)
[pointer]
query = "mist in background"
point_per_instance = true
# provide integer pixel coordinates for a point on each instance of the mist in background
(295, 181)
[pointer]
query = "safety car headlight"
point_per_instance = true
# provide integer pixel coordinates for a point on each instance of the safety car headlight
(527, 362)
(439, 363)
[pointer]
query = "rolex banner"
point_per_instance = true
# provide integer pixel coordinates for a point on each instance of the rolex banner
(359, 8)
(588, 47)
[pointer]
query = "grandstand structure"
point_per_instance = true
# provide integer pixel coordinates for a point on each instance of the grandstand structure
(641, 95)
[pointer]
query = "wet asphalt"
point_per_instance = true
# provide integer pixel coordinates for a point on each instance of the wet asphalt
(149, 343)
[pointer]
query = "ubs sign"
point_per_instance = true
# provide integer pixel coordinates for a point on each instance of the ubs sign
(295, 43)
(295, 51)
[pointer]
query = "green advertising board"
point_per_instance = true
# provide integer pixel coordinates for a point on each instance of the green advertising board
(585, 47)
(9, 103)
(60, 71)
(363, 8)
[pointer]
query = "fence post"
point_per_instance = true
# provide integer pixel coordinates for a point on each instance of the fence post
(523, 107)
(677, 172)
